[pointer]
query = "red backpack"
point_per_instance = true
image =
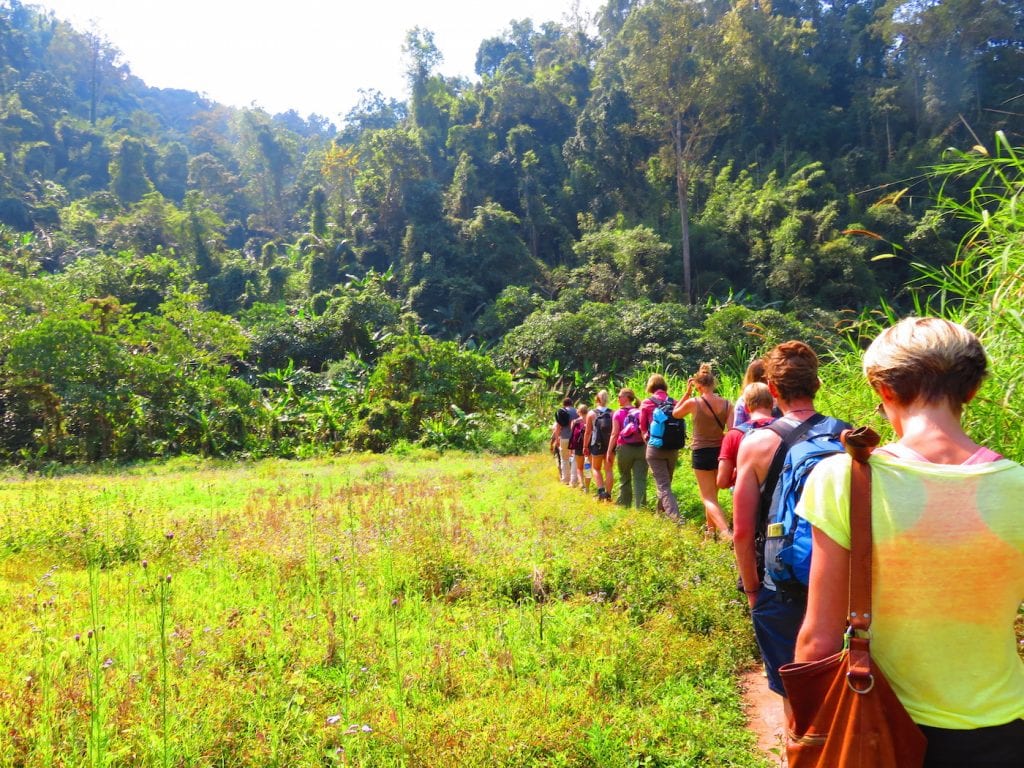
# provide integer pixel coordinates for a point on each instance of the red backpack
(576, 437)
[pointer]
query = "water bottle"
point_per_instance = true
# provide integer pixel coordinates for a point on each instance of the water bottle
(586, 469)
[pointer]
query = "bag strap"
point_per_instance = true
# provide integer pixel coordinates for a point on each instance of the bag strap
(718, 421)
(790, 435)
(859, 443)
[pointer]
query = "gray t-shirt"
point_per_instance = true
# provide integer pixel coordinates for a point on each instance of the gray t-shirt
(566, 432)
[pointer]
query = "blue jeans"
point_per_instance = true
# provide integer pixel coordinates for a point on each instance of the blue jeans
(777, 619)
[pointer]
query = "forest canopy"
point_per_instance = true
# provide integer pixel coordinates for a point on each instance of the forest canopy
(230, 281)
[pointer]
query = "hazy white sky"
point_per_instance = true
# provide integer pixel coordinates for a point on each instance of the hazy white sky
(306, 55)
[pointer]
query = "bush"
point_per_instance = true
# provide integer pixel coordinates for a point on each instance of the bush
(431, 391)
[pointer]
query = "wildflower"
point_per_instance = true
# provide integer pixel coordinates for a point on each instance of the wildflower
(366, 729)
(170, 535)
(167, 578)
(334, 719)
(145, 563)
(78, 637)
(108, 663)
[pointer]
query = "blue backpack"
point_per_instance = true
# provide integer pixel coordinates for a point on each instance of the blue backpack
(787, 536)
(666, 430)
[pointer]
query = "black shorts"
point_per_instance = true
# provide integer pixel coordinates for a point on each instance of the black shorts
(999, 746)
(705, 458)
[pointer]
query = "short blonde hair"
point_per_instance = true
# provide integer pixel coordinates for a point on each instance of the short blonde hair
(601, 398)
(656, 382)
(757, 397)
(926, 358)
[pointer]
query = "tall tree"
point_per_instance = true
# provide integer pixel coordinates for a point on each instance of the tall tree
(682, 89)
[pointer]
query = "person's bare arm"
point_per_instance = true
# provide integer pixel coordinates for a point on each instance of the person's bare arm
(752, 462)
(610, 456)
(827, 600)
(684, 408)
(726, 473)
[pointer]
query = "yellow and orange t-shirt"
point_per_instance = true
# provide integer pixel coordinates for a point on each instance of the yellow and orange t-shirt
(948, 579)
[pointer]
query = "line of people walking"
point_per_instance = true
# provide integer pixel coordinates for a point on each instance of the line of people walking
(645, 437)
(948, 541)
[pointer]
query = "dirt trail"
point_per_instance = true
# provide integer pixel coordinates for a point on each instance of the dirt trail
(764, 716)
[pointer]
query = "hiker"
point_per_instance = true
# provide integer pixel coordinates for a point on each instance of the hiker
(710, 413)
(564, 418)
(754, 373)
(595, 444)
(577, 444)
(948, 553)
(760, 402)
(791, 369)
(663, 444)
(627, 449)
(555, 450)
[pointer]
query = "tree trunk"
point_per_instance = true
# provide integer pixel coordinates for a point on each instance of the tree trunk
(683, 192)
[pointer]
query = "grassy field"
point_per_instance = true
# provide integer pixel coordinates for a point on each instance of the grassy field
(377, 611)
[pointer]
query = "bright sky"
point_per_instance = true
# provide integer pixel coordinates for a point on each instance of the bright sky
(306, 55)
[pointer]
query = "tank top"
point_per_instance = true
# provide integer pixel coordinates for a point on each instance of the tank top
(707, 433)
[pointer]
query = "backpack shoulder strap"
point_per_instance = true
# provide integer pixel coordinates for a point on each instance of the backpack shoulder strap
(790, 435)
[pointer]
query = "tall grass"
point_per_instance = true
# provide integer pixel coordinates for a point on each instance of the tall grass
(364, 611)
(983, 288)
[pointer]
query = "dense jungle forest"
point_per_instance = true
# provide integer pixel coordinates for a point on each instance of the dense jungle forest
(670, 182)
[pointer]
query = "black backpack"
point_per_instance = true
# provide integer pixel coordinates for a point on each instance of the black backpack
(601, 432)
(562, 417)
(666, 430)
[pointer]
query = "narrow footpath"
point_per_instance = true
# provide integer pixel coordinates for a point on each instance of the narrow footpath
(764, 716)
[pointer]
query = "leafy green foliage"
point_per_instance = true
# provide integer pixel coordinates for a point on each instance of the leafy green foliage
(428, 389)
(260, 266)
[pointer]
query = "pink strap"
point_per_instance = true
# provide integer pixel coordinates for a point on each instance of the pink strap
(899, 451)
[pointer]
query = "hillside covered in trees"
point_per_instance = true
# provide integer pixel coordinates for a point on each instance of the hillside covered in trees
(637, 191)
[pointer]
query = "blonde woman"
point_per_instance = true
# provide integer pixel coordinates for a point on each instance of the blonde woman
(711, 413)
(947, 551)
(596, 442)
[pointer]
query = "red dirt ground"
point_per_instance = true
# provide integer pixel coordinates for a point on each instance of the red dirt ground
(764, 716)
